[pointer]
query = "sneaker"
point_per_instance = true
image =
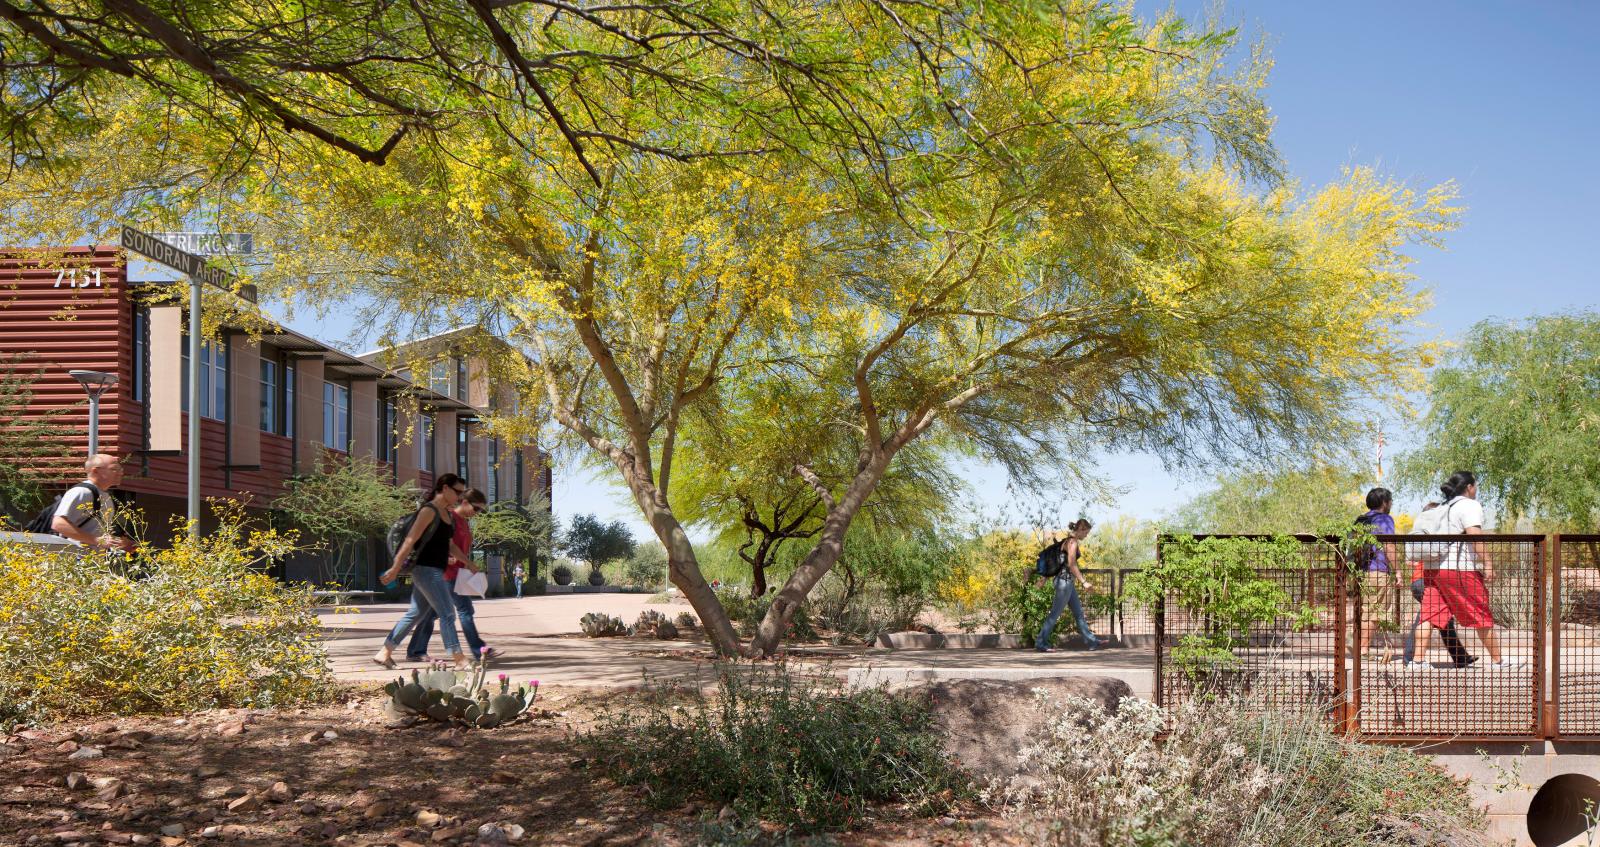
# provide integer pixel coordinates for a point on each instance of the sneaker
(1096, 644)
(1467, 662)
(1417, 666)
(1044, 649)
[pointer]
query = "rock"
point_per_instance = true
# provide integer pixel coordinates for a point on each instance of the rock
(172, 841)
(377, 810)
(181, 722)
(207, 771)
(116, 838)
(69, 835)
(142, 839)
(233, 830)
(330, 735)
(429, 819)
(364, 798)
(310, 738)
(986, 722)
(504, 778)
(87, 753)
(173, 829)
(231, 730)
(308, 807)
(101, 728)
(211, 832)
(247, 803)
(67, 747)
(514, 832)
(36, 735)
(76, 781)
(442, 835)
(491, 835)
(111, 789)
(279, 792)
(726, 814)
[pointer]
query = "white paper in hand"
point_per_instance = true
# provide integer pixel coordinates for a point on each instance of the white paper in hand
(469, 584)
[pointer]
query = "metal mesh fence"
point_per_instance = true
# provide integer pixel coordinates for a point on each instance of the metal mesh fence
(1099, 593)
(1449, 637)
(1292, 660)
(1575, 665)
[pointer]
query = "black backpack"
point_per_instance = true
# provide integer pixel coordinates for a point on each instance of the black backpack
(1050, 560)
(402, 527)
(44, 522)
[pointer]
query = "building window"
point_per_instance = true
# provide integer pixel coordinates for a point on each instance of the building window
(461, 379)
(461, 450)
(425, 444)
(141, 352)
(213, 380)
(336, 416)
(288, 398)
(391, 435)
(270, 384)
(439, 378)
(494, 470)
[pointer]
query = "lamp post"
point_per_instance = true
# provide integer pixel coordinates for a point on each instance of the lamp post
(95, 383)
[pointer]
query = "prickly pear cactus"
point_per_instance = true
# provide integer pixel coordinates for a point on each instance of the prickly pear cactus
(601, 625)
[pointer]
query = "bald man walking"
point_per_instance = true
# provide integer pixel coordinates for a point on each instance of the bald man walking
(84, 513)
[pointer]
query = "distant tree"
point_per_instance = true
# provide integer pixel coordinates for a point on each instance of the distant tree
(1519, 405)
(26, 441)
(339, 505)
(1284, 501)
(591, 540)
(1125, 542)
(519, 531)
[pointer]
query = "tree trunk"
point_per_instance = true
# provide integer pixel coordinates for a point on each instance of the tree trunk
(821, 558)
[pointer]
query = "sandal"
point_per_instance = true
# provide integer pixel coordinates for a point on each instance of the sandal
(386, 661)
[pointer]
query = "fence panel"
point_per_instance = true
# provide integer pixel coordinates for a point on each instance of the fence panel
(1575, 636)
(1426, 662)
(1098, 593)
(1283, 663)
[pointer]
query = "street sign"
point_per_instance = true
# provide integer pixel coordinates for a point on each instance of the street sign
(190, 265)
(210, 243)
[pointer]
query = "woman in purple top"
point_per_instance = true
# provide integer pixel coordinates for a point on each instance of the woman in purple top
(1380, 580)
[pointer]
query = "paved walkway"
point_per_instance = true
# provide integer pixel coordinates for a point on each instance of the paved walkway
(536, 635)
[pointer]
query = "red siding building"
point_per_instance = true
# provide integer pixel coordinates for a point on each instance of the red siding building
(270, 405)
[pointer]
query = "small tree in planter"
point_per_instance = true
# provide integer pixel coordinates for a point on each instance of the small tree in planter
(561, 574)
(590, 540)
(342, 502)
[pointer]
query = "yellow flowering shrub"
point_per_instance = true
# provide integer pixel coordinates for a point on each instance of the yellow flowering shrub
(193, 626)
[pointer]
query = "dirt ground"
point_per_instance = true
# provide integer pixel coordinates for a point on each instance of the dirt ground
(344, 774)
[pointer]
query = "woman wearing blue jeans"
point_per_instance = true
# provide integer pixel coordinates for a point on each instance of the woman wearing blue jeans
(1067, 593)
(428, 585)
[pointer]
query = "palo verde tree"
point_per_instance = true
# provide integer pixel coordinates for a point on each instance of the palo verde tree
(1519, 404)
(1024, 230)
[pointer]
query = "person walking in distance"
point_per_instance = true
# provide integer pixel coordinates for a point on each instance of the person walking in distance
(1380, 567)
(1464, 575)
(1425, 558)
(1066, 591)
(471, 504)
(517, 575)
(84, 513)
(431, 537)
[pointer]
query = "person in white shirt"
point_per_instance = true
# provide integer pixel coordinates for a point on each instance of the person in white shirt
(83, 514)
(1464, 574)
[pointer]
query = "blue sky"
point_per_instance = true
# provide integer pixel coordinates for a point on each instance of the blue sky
(1499, 97)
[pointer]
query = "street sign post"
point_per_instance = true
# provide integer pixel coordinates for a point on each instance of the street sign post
(199, 272)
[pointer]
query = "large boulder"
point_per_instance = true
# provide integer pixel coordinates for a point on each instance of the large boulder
(986, 722)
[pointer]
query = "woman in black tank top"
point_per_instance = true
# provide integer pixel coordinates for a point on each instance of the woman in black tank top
(430, 537)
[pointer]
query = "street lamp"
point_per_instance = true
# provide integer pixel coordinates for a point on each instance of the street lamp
(94, 382)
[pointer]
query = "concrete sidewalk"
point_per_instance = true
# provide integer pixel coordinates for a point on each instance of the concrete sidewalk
(537, 637)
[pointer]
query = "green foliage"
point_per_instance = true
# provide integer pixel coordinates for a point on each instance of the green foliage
(1220, 581)
(27, 441)
(1519, 404)
(746, 613)
(518, 530)
(647, 567)
(804, 753)
(459, 698)
(344, 498)
(591, 540)
(1285, 501)
(200, 627)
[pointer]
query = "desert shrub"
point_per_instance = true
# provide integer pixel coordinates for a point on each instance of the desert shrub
(746, 613)
(200, 626)
(1226, 773)
(687, 621)
(602, 625)
(647, 567)
(776, 746)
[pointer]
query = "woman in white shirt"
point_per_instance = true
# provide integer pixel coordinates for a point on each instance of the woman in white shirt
(1464, 573)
